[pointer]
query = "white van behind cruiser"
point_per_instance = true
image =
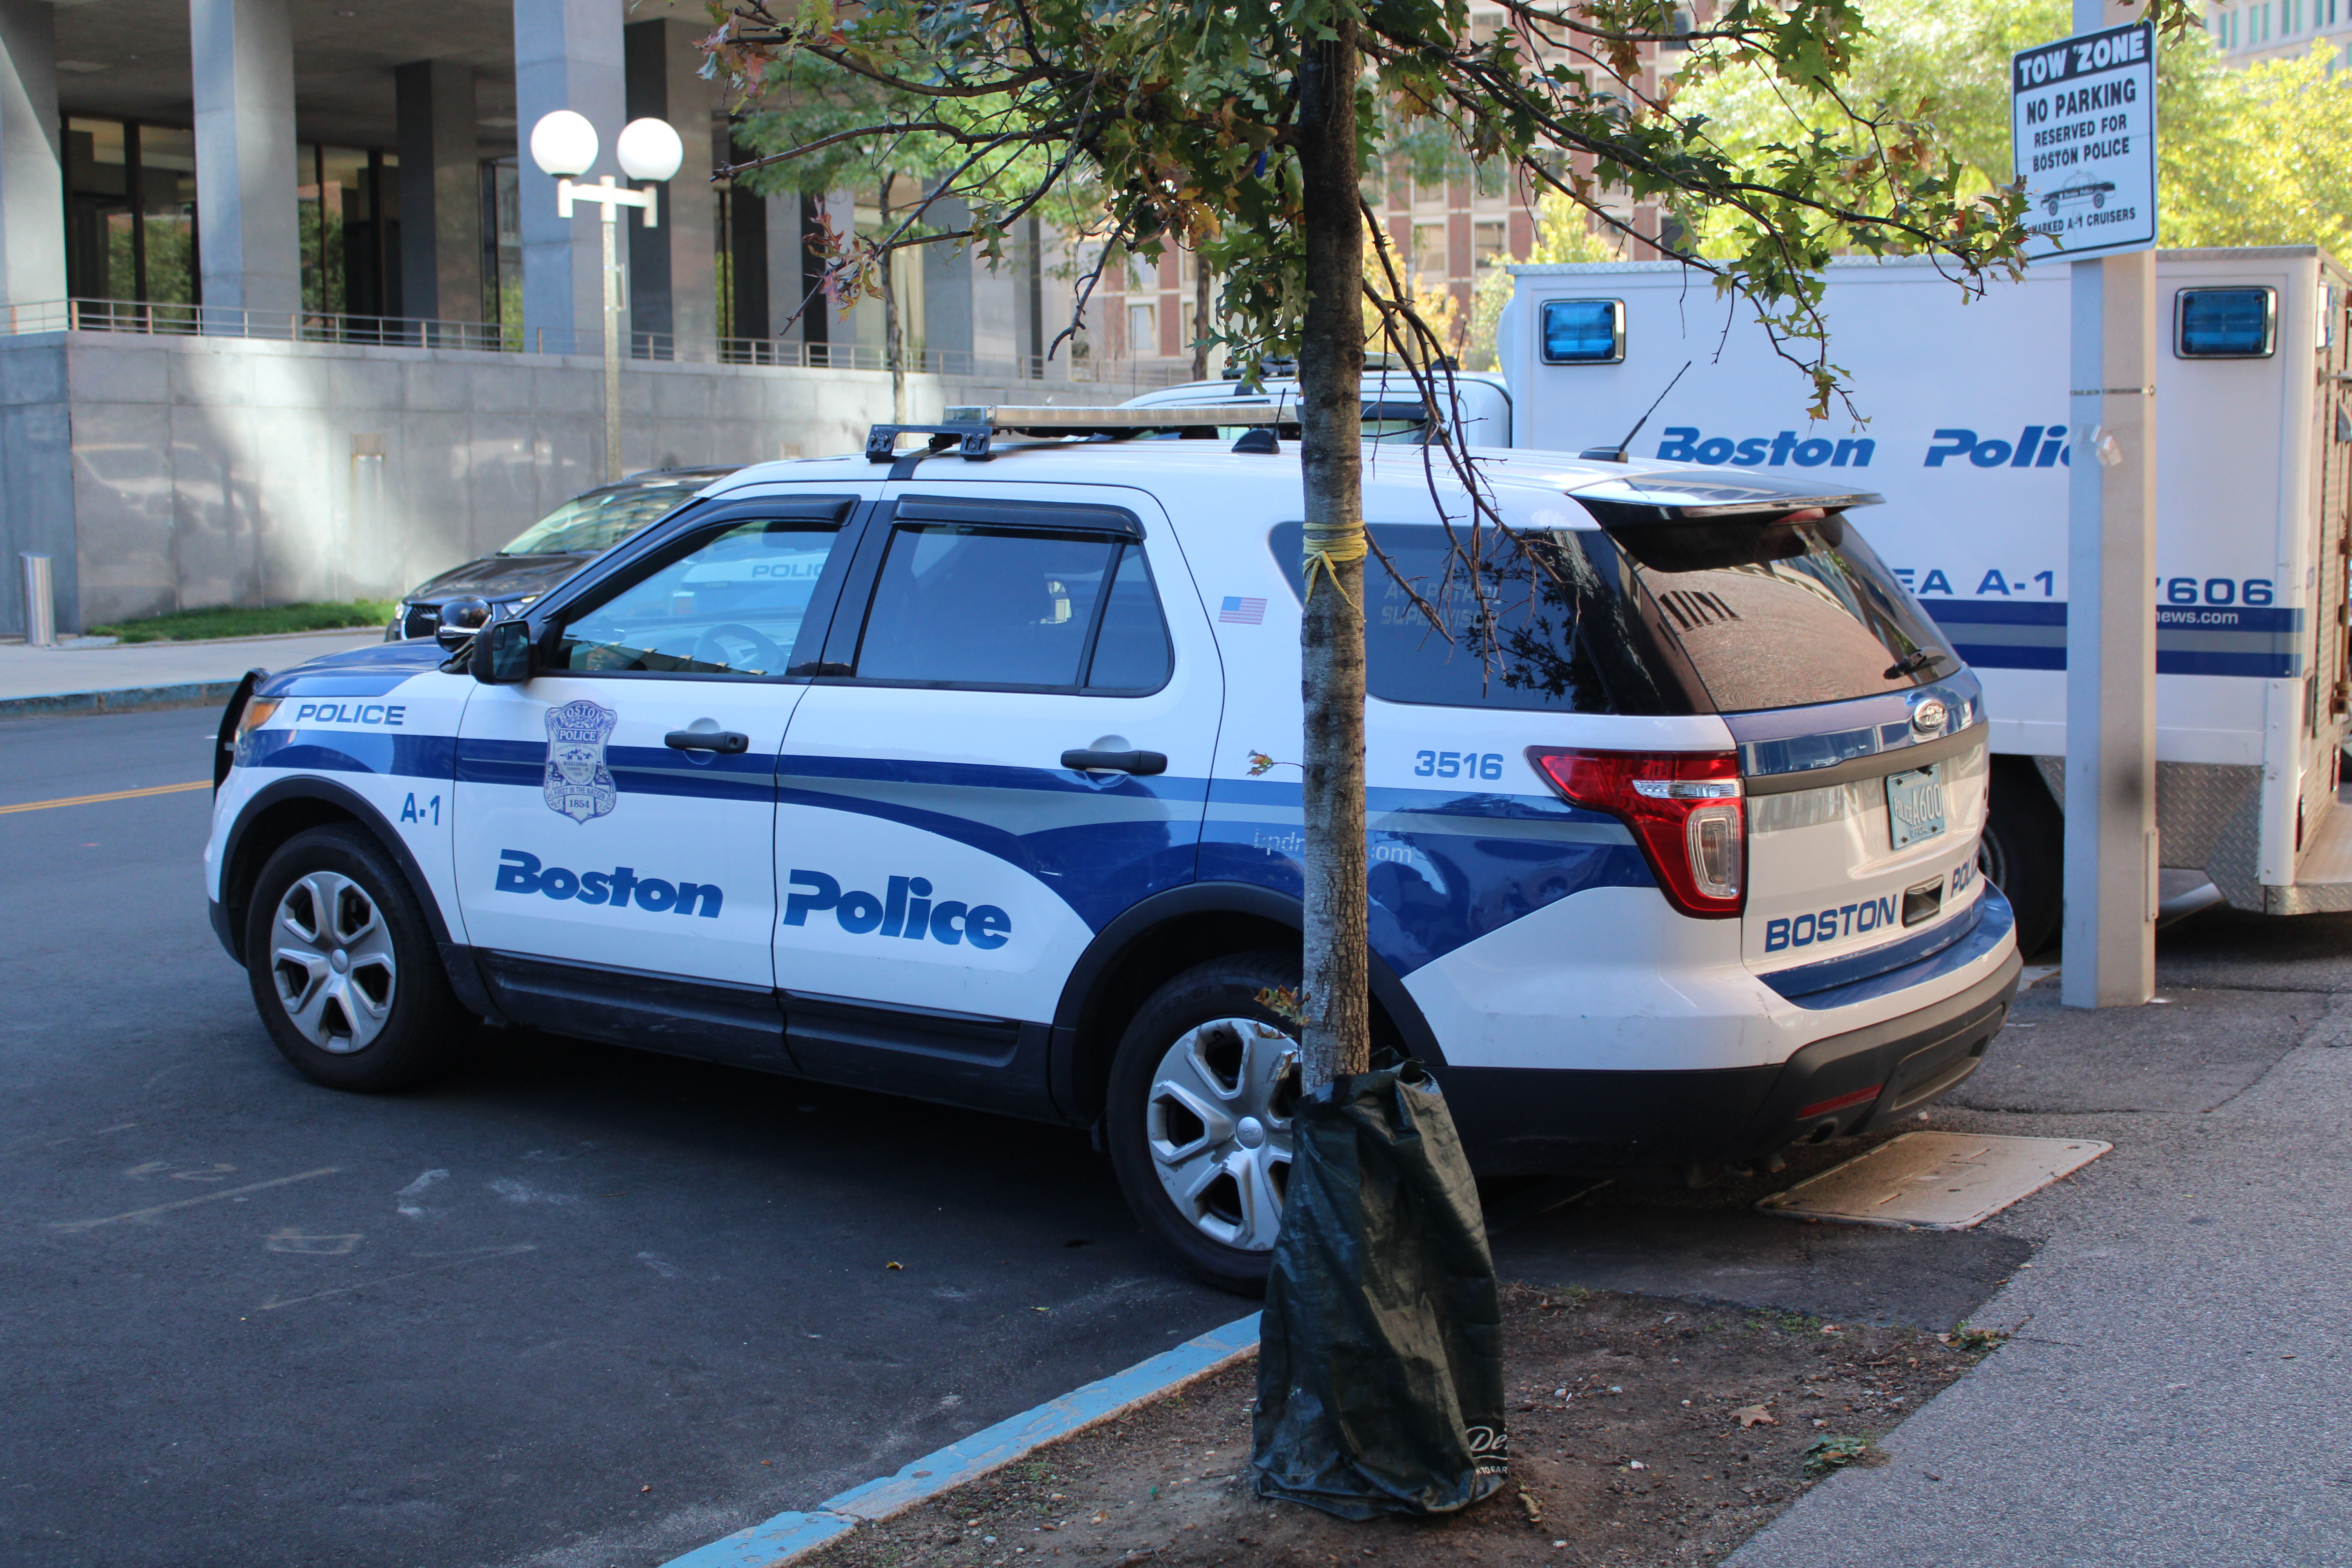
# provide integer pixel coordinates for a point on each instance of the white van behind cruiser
(949, 778)
(1970, 438)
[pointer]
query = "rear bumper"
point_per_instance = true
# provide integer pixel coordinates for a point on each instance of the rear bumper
(1521, 1120)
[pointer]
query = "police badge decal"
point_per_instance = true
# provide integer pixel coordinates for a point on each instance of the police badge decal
(578, 783)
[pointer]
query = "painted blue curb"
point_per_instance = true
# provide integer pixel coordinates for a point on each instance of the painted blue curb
(788, 1535)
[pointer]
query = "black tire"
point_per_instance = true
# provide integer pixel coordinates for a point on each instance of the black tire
(1222, 988)
(398, 1020)
(2024, 851)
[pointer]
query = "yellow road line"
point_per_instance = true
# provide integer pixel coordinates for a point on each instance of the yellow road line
(116, 794)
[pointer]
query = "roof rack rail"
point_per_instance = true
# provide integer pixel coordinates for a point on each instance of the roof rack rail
(971, 430)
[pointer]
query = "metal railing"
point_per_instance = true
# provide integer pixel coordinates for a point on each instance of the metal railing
(492, 337)
(954, 364)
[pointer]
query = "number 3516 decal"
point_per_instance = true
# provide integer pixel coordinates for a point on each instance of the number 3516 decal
(1458, 764)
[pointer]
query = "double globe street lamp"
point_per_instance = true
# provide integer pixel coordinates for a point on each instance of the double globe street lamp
(563, 144)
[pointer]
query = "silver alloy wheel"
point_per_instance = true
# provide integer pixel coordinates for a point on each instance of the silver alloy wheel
(1218, 1125)
(331, 957)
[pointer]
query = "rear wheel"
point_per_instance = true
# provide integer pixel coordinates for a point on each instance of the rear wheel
(2023, 851)
(1198, 1114)
(343, 967)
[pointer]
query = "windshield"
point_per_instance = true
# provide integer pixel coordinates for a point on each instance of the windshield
(1657, 620)
(600, 519)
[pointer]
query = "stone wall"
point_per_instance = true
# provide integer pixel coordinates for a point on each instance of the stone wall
(165, 473)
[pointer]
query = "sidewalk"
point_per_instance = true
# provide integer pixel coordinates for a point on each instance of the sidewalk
(40, 680)
(2178, 1389)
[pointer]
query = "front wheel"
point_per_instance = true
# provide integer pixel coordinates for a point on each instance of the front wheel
(1198, 1114)
(343, 967)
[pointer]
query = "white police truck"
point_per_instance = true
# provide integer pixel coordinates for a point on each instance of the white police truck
(950, 777)
(1970, 438)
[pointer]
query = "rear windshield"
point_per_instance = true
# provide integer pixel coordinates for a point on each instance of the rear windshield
(1664, 618)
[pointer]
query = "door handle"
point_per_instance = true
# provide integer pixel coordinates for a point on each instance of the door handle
(1138, 763)
(726, 742)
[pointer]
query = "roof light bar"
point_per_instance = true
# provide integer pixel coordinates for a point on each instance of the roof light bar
(973, 429)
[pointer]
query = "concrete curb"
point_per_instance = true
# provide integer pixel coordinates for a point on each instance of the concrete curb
(789, 1536)
(128, 699)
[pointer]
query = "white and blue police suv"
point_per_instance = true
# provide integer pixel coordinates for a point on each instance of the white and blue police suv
(949, 778)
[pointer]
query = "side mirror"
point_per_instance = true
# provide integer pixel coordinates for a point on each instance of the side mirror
(502, 653)
(460, 619)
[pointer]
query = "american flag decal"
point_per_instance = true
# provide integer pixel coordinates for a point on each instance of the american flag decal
(1242, 612)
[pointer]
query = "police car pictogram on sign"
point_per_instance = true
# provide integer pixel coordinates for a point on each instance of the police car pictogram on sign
(579, 784)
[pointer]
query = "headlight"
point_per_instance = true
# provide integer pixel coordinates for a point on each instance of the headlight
(258, 712)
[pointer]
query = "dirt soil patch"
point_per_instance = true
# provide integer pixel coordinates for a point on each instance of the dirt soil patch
(1642, 1431)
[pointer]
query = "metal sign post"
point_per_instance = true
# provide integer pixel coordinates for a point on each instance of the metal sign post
(2083, 118)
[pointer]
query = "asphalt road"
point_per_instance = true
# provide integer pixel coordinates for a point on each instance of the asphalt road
(579, 1307)
(574, 1306)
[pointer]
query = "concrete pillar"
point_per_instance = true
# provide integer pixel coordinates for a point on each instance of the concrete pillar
(947, 294)
(246, 212)
(787, 244)
(673, 269)
(567, 56)
(440, 192)
(32, 173)
(747, 242)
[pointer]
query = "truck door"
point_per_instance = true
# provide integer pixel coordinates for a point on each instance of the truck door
(944, 853)
(616, 814)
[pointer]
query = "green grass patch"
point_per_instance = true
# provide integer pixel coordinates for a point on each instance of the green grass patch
(190, 625)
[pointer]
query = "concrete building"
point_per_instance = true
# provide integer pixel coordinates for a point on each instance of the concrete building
(283, 316)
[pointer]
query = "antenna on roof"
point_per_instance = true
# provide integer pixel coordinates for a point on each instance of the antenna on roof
(1616, 454)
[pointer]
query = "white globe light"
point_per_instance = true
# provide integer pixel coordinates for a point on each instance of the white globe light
(649, 150)
(563, 142)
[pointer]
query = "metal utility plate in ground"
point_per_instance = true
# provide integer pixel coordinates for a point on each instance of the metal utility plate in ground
(1935, 1180)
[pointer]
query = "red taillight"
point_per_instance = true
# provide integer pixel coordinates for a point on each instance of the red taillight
(1685, 808)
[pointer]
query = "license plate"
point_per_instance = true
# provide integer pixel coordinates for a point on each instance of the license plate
(1914, 805)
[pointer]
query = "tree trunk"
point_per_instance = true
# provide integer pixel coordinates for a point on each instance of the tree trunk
(1200, 317)
(1336, 1037)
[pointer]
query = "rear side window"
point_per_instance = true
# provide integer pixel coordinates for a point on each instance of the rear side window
(1666, 618)
(963, 605)
(1567, 634)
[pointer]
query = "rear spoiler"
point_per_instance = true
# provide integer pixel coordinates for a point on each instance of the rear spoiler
(1709, 496)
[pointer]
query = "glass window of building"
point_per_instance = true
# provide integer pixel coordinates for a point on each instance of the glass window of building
(130, 212)
(350, 204)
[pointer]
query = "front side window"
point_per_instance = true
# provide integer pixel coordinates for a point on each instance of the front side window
(962, 605)
(732, 604)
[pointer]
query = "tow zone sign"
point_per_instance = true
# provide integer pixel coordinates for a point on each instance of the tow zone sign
(2082, 117)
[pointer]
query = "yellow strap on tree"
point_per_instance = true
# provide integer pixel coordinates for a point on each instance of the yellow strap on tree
(1327, 549)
